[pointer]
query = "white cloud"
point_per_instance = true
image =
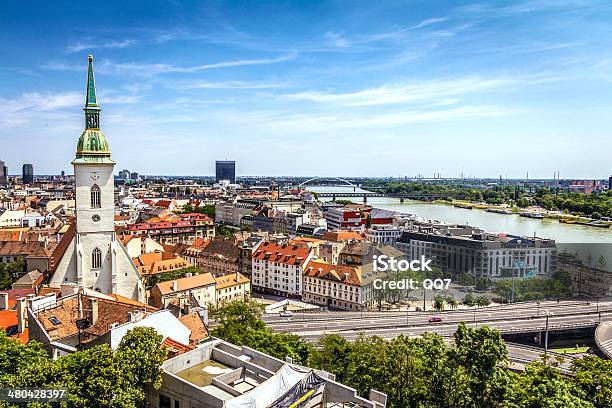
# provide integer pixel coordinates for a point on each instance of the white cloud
(313, 123)
(161, 68)
(406, 92)
(429, 22)
(336, 39)
(227, 85)
(80, 46)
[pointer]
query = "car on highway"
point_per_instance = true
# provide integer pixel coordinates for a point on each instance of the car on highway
(285, 313)
(435, 319)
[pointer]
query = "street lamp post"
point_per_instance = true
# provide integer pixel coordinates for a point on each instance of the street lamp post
(546, 338)
(423, 299)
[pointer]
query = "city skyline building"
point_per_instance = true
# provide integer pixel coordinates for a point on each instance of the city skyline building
(3, 174)
(95, 258)
(27, 174)
(225, 170)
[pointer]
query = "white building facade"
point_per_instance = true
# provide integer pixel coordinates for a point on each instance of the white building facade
(279, 269)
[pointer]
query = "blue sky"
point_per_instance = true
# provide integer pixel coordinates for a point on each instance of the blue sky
(382, 88)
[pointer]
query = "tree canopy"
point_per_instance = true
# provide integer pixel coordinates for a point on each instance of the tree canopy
(94, 377)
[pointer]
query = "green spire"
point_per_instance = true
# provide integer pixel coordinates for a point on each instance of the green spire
(92, 110)
(92, 146)
(91, 100)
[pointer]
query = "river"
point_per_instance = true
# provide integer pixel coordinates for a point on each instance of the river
(513, 224)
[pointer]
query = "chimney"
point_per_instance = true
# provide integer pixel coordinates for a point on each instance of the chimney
(94, 311)
(174, 286)
(4, 305)
(21, 315)
(237, 277)
(204, 315)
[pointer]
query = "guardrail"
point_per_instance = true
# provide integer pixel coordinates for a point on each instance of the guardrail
(306, 316)
(605, 345)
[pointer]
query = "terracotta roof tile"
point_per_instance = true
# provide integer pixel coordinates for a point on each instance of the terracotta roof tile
(194, 322)
(286, 254)
(188, 283)
(337, 273)
(226, 281)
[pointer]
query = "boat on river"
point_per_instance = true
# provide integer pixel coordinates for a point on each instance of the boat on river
(529, 214)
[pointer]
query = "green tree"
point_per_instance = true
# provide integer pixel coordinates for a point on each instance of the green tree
(235, 318)
(469, 300)
(141, 353)
(542, 386)
(522, 202)
(594, 377)
(240, 323)
(15, 356)
(5, 278)
(482, 301)
(224, 231)
(331, 354)
(482, 353)
(10, 272)
(439, 303)
(172, 275)
(94, 377)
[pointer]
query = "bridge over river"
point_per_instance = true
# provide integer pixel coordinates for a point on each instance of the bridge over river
(364, 196)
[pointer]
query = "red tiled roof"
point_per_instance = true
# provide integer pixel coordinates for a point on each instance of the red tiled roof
(342, 236)
(286, 254)
(8, 323)
(175, 348)
(188, 283)
(194, 323)
(20, 248)
(159, 225)
(338, 273)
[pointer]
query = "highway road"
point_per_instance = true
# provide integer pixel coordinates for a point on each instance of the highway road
(516, 318)
(504, 317)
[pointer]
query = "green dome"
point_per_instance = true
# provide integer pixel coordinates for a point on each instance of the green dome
(93, 147)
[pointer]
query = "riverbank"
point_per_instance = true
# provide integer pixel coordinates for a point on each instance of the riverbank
(530, 212)
(488, 221)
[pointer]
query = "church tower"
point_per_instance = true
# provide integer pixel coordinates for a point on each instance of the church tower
(95, 259)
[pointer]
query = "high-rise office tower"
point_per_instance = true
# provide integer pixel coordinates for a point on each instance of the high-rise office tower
(27, 174)
(3, 174)
(225, 170)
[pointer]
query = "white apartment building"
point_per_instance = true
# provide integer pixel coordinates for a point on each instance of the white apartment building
(343, 218)
(11, 218)
(199, 287)
(234, 286)
(383, 234)
(333, 286)
(279, 268)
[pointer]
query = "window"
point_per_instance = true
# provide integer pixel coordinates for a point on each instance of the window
(95, 196)
(96, 258)
(164, 401)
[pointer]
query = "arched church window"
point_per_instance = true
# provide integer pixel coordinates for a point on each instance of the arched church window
(96, 258)
(95, 196)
